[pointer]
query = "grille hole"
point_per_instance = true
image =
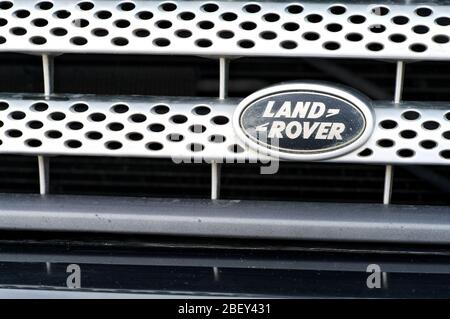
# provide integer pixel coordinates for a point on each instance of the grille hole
(311, 36)
(160, 109)
(216, 138)
(187, 16)
(377, 28)
(334, 27)
(86, 6)
(73, 144)
(229, 16)
(144, 15)
(175, 137)
(3, 106)
(443, 21)
(203, 43)
(178, 119)
(441, 38)
(78, 41)
(57, 116)
(405, 152)
(97, 117)
(183, 33)
(366, 152)
(75, 125)
(18, 31)
(5, 5)
(103, 15)
(113, 145)
(59, 32)
(163, 24)
(354, 37)
(154, 146)
(33, 142)
(357, 19)
(80, 23)
(120, 108)
(17, 115)
(291, 26)
(138, 118)
(161, 42)
(197, 128)
(235, 148)
(411, 115)
(447, 116)
(397, 38)
(246, 44)
(38, 40)
(35, 125)
(156, 127)
(53, 134)
(428, 144)
(135, 136)
(388, 124)
(421, 29)
(252, 8)
(196, 147)
(374, 46)
(445, 154)
(446, 135)
(337, 10)
(125, 23)
(385, 143)
(80, 107)
(418, 47)
(220, 120)
(14, 133)
(430, 125)
(119, 41)
(115, 126)
(294, 9)
(380, 11)
(39, 22)
(314, 18)
(331, 45)
(248, 25)
(201, 110)
(62, 14)
(268, 35)
(225, 34)
(408, 134)
(271, 17)
(100, 32)
(93, 135)
(127, 6)
(423, 12)
(44, 5)
(210, 7)
(288, 45)
(400, 20)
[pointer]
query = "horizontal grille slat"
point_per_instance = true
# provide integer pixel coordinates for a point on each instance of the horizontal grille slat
(229, 28)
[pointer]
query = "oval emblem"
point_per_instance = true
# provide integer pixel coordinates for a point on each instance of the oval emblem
(304, 121)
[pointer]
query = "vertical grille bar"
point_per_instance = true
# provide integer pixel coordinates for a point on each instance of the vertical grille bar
(43, 162)
(389, 176)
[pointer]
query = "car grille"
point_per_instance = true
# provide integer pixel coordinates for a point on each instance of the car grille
(130, 85)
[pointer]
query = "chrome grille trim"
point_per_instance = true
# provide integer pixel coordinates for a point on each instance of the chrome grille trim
(27, 120)
(387, 31)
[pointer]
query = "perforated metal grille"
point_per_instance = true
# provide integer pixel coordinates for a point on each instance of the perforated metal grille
(194, 128)
(227, 28)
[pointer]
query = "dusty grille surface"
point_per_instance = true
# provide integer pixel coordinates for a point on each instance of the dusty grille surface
(195, 128)
(227, 28)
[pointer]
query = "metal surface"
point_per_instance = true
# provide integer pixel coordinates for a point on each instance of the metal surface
(228, 28)
(195, 129)
(276, 220)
